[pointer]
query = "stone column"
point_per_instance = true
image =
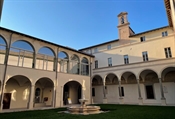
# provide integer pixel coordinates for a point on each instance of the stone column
(139, 93)
(163, 100)
(2, 97)
(104, 92)
(31, 98)
(80, 68)
(121, 100)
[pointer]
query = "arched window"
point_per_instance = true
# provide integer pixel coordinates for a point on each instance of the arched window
(74, 64)
(21, 54)
(84, 67)
(2, 50)
(63, 62)
(45, 59)
(122, 20)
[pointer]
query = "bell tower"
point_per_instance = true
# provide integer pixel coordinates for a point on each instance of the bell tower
(124, 30)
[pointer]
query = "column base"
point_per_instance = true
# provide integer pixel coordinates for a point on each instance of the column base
(163, 101)
(30, 105)
(140, 101)
(105, 100)
(121, 100)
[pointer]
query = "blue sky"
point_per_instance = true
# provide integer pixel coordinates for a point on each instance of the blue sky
(80, 23)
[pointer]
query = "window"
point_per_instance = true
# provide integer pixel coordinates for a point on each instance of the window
(93, 92)
(165, 33)
(126, 59)
(168, 52)
(110, 62)
(145, 56)
(142, 38)
(122, 20)
(96, 64)
(109, 47)
(95, 50)
(121, 93)
(149, 92)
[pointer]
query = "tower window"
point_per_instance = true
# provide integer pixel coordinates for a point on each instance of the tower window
(168, 52)
(142, 38)
(122, 20)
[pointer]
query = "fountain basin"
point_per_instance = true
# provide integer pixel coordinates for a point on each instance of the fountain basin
(84, 110)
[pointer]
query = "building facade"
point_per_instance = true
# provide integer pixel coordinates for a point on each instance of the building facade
(134, 69)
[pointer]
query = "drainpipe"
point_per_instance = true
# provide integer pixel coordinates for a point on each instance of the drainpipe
(5, 71)
(56, 76)
(90, 74)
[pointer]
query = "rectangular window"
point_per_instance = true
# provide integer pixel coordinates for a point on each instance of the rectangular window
(109, 47)
(96, 64)
(93, 92)
(165, 33)
(149, 92)
(95, 50)
(121, 93)
(110, 62)
(168, 52)
(142, 38)
(126, 59)
(145, 56)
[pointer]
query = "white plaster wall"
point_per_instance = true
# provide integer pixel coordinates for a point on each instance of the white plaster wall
(2, 58)
(169, 92)
(130, 93)
(98, 98)
(48, 93)
(19, 94)
(112, 93)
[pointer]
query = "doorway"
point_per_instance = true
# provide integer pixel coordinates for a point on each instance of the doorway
(6, 100)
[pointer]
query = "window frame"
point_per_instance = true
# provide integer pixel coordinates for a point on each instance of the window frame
(126, 59)
(145, 56)
(109, 61)
(96, 64)
(168, 53)
(142, 38)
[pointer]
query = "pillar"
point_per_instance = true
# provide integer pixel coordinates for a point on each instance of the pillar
(79, 68)
(139, 93)
(121, 100)
(104, 92)
(163, 100)
(31, 99)
(2, 96)
(53, 96)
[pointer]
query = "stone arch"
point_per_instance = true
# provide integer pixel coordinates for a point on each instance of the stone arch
(84, 66)
(74, 64)
(73, 91)
(148, 75)
(3, 47)
(168, 74)
(97, 80)
(3, 39)
(45, 59)
(17, 92)
(63, 62)
(44, 97)
(111, 79)
(128, 77)
(21, 54)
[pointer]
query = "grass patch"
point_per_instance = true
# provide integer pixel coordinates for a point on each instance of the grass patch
(116, 112)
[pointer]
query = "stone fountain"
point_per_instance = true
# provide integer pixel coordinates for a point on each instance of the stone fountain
(83, 109)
